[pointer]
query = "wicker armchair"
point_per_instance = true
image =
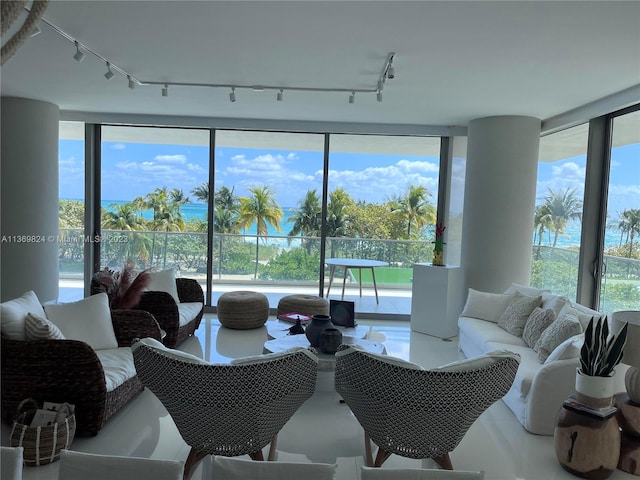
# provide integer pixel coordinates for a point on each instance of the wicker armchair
(227, 409)
(418, 413)
(70, 371)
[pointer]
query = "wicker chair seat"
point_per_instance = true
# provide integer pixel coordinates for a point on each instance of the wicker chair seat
(243, 310)
(306, 304)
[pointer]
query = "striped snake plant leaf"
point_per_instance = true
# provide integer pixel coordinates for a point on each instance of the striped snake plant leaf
(615, 350)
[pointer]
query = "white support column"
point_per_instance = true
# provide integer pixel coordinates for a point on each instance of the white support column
(499, 203)
(29, 199)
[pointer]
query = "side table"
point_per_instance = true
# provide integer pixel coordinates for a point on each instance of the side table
(629, 419)
(587, 445)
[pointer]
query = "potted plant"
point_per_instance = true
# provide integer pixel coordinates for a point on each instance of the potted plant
(599, 355)
(123, 287)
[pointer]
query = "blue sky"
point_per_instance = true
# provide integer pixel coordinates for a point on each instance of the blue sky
(133, 169)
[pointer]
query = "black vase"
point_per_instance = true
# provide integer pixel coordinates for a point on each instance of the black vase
(317, 324)
(330, 340)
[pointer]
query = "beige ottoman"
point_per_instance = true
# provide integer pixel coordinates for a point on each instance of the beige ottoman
(307, 304)
(243, 310)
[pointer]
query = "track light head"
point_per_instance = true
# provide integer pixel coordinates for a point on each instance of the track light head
(279, 95)
(132, 84)
(232, 95)
(109, 75)
(165, 90)
(352, 97)
(79, 56)
(391, 73)
(379, 95)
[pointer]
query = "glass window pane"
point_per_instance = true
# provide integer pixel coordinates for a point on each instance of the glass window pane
(620, 285)
(71, 207)
(557, 220)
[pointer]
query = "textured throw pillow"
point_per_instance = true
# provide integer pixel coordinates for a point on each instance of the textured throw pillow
(561, 329)
(485, 306)
(164, 281)
(517, 313)
(13, 314)
(38, 328)
(537, 323)
(87, 320)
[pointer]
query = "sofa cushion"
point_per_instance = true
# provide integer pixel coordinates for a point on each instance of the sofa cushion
(87, 320)
(485, 306)
(584, 314)
(523, 289)
(169, 352)
(241, 469)
(164, 281)
(39, 328)
(13, 314)
(187, 311)
(570, 348)
(251, 359)
(561, 329)
(553, 302)
(517, 313)
(537, 323)
(475, 363)
(485, 332)
(118, 366)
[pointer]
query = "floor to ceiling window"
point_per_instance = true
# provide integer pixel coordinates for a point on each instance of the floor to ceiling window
(382, 202)
(267, 206)
(556, 226)
(154, 213)
(71, 210)
(620, 282)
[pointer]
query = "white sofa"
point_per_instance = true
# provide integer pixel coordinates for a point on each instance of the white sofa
(541, 384)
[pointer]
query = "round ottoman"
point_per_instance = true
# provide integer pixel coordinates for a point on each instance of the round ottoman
(307, 304)
(243, 310)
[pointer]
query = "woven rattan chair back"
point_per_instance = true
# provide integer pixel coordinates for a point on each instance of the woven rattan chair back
(225, 409)
(418, 413)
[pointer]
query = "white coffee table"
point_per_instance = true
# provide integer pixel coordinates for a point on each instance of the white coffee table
(326, 362)
(280, 329)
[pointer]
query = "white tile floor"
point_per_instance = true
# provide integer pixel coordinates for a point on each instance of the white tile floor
(323, 430)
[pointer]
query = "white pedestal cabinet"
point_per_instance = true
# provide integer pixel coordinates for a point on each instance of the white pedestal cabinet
(436, 300)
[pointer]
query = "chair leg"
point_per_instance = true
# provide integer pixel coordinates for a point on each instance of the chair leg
(444, 461)
(257, 456)
(368, 456)
(273, 448)
(381, 456)
(195, 456)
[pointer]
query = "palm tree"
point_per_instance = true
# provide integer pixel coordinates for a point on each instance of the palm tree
(262, 209)
(337, 219)
(306, 218)
(201, 192)
(562, 207)
(226, 199)
(415, 208)
(178, 200)
(541, 222)
(124, 217)
(630, 224)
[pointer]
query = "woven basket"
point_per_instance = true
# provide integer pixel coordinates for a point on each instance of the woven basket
(42, 445)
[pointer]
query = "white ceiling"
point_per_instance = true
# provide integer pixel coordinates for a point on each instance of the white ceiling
(456, 60)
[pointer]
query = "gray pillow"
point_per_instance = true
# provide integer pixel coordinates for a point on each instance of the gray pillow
(517, 313)
(537, 323)
(562, 328)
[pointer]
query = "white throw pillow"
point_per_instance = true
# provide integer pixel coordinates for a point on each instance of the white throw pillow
(13, 314)
(523, 289)
(486, 306)
(273, 356)
(11, 462)
(585, 314)
(388, 359)
(169, 352)
(87, 320)
(561, 329)
(553, 302)
(164, 281)
(537, 323)
(39, 328)
(568, 349)
(91, 466)
(480, 361)
(517, 313)
(239, 469)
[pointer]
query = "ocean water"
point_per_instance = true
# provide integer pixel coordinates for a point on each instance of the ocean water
(199, 211)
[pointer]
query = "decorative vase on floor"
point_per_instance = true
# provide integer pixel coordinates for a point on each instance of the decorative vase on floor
(593, 391)
(316, 326)
(330, 340)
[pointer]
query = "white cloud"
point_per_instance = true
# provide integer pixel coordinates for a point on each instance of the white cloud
(118, 146)
(179, 159)
(569, 170)
(418, 166)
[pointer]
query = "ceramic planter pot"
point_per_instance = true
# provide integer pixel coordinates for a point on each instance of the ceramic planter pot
(316, 326)
(594, 392)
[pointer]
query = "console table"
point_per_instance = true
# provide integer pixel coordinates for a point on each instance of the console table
(350, 264)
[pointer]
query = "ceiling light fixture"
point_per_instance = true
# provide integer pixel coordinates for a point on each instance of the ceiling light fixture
(387, 72)
(79, 56)
(165, 90)
(109, 75)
